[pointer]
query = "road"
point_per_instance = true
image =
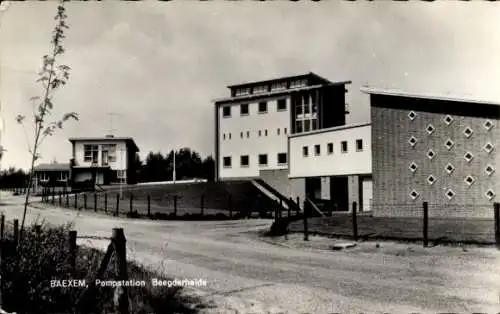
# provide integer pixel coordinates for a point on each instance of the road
(245, 274)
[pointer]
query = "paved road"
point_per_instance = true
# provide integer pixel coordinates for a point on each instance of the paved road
(247, 274)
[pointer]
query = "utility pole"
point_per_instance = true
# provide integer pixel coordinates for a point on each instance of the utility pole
(174, 174)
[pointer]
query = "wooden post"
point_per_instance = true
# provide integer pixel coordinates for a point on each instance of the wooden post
(60, 198)
(76, 200)
(16, 232)
(53, 196)
(119, 243)
(306, 226)
(72, 249)
(354, 221)
(117, 205)
(85, 201)
(290, 202)
(149, 205)
(298, 205)
(105, 202)
(496, 208)
(202, 204)
(131, 201)
(175, 205)
(95, 202)
(426, 224)
(67, 199)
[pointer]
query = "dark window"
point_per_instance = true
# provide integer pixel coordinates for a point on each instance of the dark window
(307, 109)
(229, 135)
(244, 161)
(224, 136)
(307, 125)
(298, 109)
(227, 162)
(263, 107)
(248, 134)
(226, 111)
(305, 99)
(278, 131)
(329, 148)
(298, 127)
(281, 104)
(265, 132)
(359, 145)
(344, 146)
(260, 133)
(284, 130)
(243, 109)
(282, 158)
(314, 125)
(241, 134)
(305, 151)
(317, 150)
(263, 159)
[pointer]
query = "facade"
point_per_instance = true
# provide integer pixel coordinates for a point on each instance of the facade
(434, 149)
(260, 131)
(103, 160)
(51, 175)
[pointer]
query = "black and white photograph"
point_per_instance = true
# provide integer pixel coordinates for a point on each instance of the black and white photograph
(249, 157)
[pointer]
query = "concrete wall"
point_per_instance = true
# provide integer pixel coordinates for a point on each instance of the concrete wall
(331, 164)
(278, 179)
(238, 144)
(392, 156)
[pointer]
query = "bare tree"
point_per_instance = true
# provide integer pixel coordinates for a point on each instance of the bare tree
(52, 76)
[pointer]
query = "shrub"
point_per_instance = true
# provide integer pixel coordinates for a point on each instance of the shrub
(133, 214)
(43, 257)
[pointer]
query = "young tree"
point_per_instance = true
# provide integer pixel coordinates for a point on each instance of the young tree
(52, 76)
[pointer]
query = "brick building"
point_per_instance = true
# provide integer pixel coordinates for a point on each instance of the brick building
(434, 149)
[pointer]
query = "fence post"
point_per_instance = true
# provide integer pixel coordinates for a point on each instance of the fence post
(72, 249)
(149, 205)
(426, 224)
(117, 205)
(95, 202)
(85, 201)
(53, 196)
(131, 201)
(289, 207)
(16, 231)
(175, 205)
(119, 243)
(105, 202)
(67, 199)
(60, 198)
(496, 207)
(76, 200)
(281, 207)
(306, 226)
(298, 205)
(354, 221)
(202, 204)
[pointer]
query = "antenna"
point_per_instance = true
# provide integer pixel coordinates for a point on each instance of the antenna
(111, 130)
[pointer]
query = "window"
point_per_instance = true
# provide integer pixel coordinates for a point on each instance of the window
(229, 135)
(265, 132)
(297, 83)
(314, 124)
(431, 179)
(413, 167)
(307, 125)
(431, 154)
(305, 151)
(412, 115)
(412, 141)
(260, 89)
(343, 146)
(63, 176)
(248, 134)
(278, 131)
(414, 194)
(224, 136)
(314, 108)
(329, 148)
(317, 150)
(359, 145)
(263, 160)
(260, 133)
(244, 109)
(307, 109)
(448, 120)
(226, 111)
(90, 153)
(282, 159)
(227, 162)
(242, 91)
(449, 144)
(305, 100)
(43, 176)
(450, 194)
(278, 86)
(108, 153)
(284, 130)
(430, 129)
(121, 174)
(298, 127)
(244, 161)
(262, 107)
(241, 134)
(281, 104)
(298, 109)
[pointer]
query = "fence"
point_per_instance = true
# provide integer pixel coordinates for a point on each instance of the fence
(427, 223)
(116, 248)
(154, 206)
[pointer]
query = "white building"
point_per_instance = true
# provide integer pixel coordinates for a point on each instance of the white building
(106, 159)
(263, 127)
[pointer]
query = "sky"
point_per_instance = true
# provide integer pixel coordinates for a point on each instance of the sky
(159, 65)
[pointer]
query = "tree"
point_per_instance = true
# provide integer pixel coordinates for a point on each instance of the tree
(52, 77)
(208, 168)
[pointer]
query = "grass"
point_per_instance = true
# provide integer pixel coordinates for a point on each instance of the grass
(27, 274)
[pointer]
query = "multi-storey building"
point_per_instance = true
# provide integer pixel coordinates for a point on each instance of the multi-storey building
(103, 160)
(258, 127)
(435, 149)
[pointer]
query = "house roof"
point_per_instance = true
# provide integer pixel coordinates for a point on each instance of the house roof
(398, 93)
(305, 75)
(52, 167)
(129, 140)
(277, 93)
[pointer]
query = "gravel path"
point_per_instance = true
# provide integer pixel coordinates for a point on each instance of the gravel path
(247, 275)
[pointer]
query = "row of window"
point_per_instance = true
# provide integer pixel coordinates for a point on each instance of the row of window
(280, 85)
(44, 176)
(262, 159)
(245, 110)
(91, 153)
(329, 148)
(260, 132)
